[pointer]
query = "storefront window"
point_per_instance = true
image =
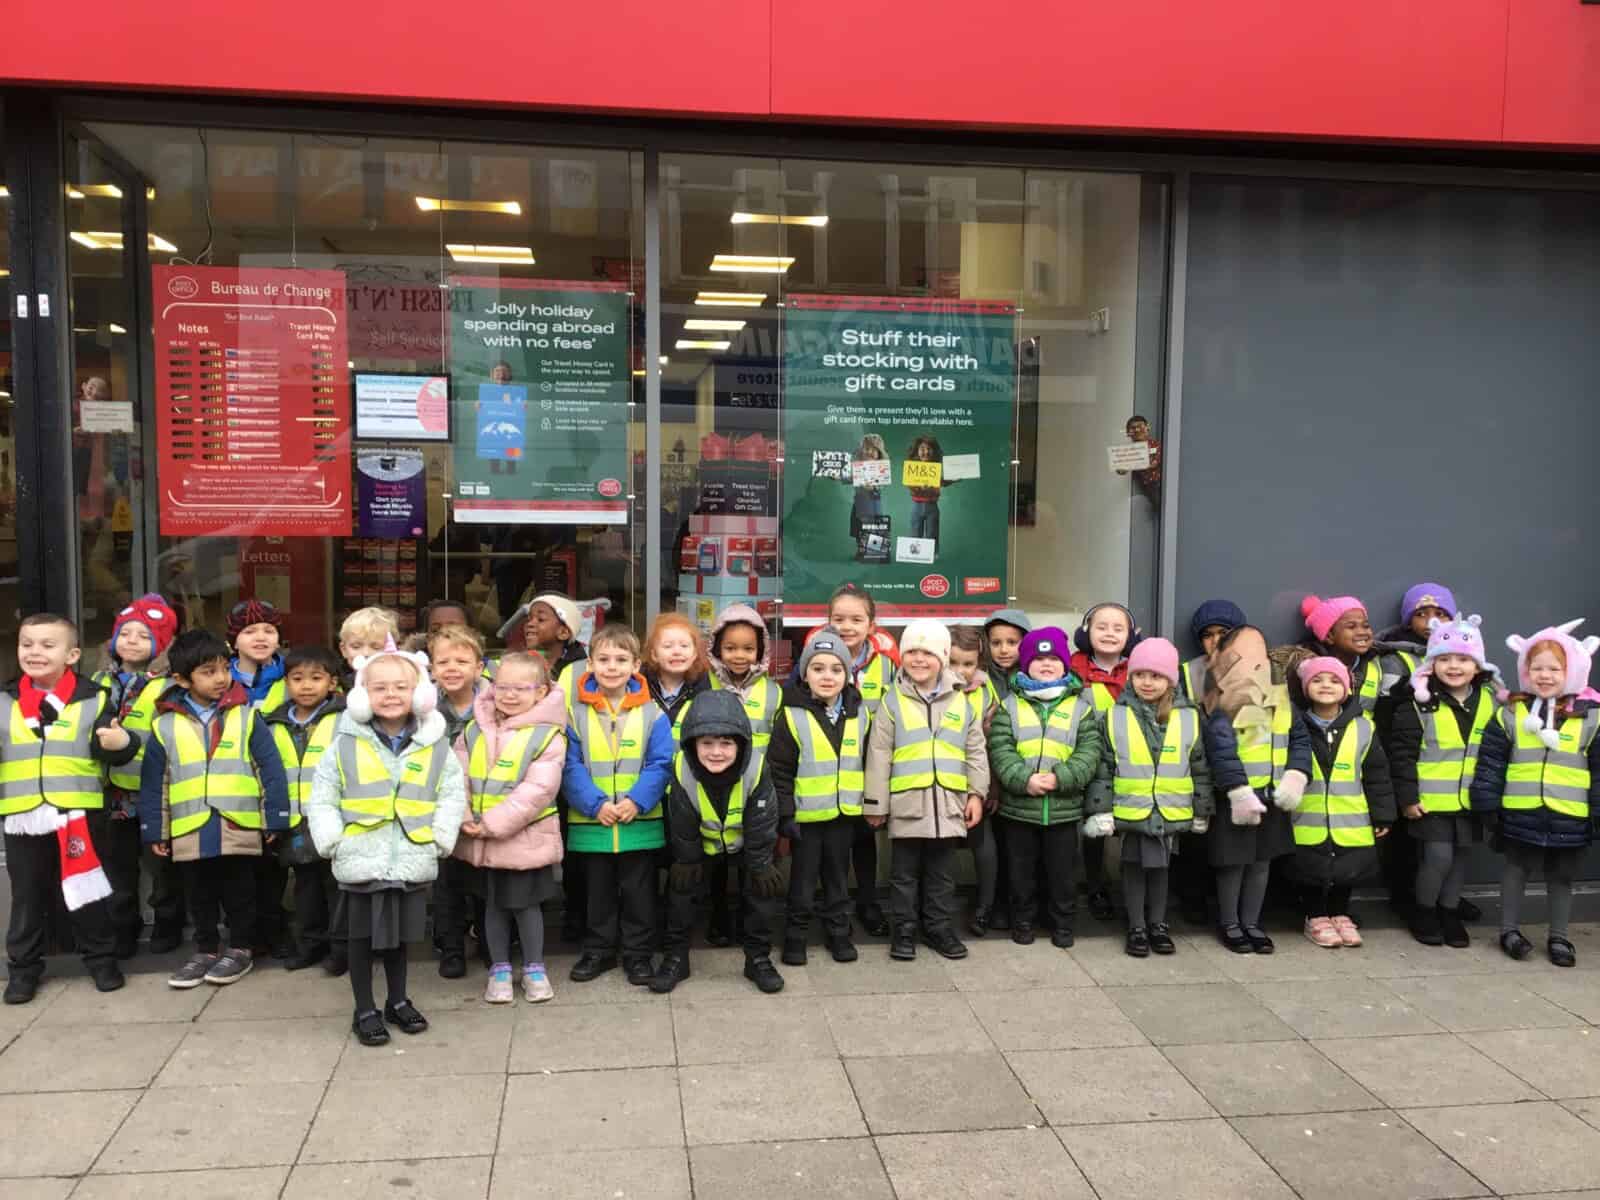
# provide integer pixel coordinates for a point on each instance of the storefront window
(909, 377)
(334, 371)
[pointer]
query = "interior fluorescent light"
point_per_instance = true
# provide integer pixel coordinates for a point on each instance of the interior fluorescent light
(433, 204)
(467, 253)
(115, 328)
(730, 299)
(691, 344)
(4, 272)
(709, 325)
(3, 192)
(752, 218)
(149, 193)
(77, 191)
(752, 264)
(103, 239)
(663, 360)
(638, 371)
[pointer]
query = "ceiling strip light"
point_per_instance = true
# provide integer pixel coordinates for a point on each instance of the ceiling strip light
(431, 204)
(77, 191)
(753, 218)
(691, 344)
(468, 253)
(752, 264)
(731, 299)
(707, 325)
(103, 239)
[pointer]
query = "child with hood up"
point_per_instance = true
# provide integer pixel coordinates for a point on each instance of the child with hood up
(723, 807)
(1538, 779)
(1434, 739)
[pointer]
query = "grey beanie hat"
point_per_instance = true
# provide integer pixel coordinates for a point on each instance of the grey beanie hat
(1010, 616)
(826, 641)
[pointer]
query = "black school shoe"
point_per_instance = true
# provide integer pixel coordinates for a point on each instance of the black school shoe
(1468, 911)
(1100, 906)
(1515, 945)
(674, 969)
(591, 965)
(1137, 944)
(873, 919)
(107, 977)
(1161, 939)
(978, 923)
(369, 1028)
(946, 944)
(1427, 925)
(1259, 941)
(405, 1017)
(1233, 937)
(1452, 931)
(842, 948)
(763, 974)
(452, 964)
(21, 988)
(903, 946)
(338, 961)
(794, 952)
(1061, 937)
(309, 956)
(1561, 952)
(640, 969)
(1022, 933)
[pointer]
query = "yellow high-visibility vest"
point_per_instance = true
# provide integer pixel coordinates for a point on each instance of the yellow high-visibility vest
(1052, 741)
(53, 766)
(489, 783)
(1145, 782)
(1264, 762)
(613, 748)
(827, 783)
(1335, 803)
(200, 783)
(1539, 776)
(301, 768)
(761, 705)
(924, 756)
(141, 716)
(718, 834)
(1446, 763)
(369, 798)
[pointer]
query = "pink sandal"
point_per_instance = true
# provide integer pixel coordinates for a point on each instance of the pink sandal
(1320, 930)
(1349, 935)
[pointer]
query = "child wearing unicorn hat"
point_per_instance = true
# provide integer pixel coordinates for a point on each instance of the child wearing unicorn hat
(1538, 779)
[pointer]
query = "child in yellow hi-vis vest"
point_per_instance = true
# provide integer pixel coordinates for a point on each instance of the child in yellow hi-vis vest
(303, 728)
(1154, 784)
(386, 805)
(1348, 806)
(1538, 780)
(513, 750)
(927, 774)
(212, 790)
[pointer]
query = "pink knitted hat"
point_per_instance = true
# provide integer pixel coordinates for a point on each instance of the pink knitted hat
(1313, 667)
(1322, 615)
(1156, 655)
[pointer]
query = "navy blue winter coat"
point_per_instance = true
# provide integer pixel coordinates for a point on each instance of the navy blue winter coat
(1531, 826)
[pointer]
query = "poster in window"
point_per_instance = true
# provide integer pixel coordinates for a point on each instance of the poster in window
(402, 408)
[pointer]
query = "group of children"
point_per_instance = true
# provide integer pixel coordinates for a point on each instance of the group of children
(392, 771)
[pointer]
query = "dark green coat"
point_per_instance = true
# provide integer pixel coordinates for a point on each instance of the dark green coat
(1011, 770)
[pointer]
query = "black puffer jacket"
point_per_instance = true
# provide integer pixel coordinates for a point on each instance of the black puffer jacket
(783, 754)
(1405, 732)
(720, 713)
(1329, 863)
(1533, 826)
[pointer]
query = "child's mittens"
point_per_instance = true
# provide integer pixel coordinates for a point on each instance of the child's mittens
(1246, 805)
(1200, 825)
(1099, 825)
(1290, 791)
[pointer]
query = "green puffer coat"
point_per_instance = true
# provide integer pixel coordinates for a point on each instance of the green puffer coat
(1065, 802)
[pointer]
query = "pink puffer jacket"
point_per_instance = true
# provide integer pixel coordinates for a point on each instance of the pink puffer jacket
(515, 841)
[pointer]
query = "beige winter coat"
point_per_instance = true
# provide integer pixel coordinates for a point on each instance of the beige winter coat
(935, 812)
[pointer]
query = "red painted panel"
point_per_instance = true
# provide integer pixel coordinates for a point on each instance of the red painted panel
(1428, 70)
(1553, 73)
(691, 56)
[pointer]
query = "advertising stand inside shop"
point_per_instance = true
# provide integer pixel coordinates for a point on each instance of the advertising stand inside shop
(897, 432)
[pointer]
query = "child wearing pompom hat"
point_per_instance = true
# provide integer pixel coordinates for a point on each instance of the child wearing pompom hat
(1434, 739)
(927, 752)
(1348, 804)
(1538, 777)
(386, 805)
(134, 675)
(1153, 784)
(1340, 628)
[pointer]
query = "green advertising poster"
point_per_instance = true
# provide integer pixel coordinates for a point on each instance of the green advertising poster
(897, 426)
(540, 376)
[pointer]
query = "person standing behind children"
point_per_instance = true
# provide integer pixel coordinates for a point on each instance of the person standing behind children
(619, 759)
(816, 761)
(927, 773)
(552, 632)
(1538, 779)
(966, 660)
(1434, 739)
(386, 805)
(1154, 784)
(212, 786)
(513, 752)
(365, 632)
(723, 807)
(58, 733)
(1260, 758)
(136, 654)
(1045, 747)
(1348, 805)
(303, 729)
(455, 656)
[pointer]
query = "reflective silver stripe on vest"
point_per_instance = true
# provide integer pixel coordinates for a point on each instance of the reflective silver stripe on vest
(1352, 820)
(1126, 769)
(165, 728)
(78, 747)
(806, 726)
(536, 743)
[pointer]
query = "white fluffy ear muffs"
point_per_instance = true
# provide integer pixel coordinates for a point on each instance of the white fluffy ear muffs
(426, 698)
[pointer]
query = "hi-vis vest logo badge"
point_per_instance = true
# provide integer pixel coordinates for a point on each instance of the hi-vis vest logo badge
(225, 744)
(414, 766)
(183, 287)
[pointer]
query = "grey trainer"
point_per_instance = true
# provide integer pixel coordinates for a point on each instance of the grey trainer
(231, 967)
(192, 973)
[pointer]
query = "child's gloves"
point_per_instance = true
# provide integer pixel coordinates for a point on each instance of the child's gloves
(683, 878)
(1100, 825)
(1246, 805)
(1290, 791)
(1201, 824)
(767, 882)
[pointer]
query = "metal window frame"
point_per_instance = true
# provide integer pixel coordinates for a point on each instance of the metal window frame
(1171, 160)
